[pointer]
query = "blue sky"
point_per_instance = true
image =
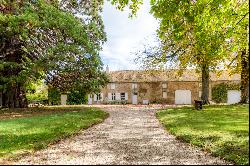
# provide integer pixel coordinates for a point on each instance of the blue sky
(125, 35)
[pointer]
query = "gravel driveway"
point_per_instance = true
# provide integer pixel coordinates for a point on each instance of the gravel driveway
(128, 136)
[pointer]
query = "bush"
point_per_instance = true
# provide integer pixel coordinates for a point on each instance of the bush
(74, 97)
(54, 96)
(37, 92)
(77, 97)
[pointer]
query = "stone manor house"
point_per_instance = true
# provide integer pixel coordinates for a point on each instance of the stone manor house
(163, 87)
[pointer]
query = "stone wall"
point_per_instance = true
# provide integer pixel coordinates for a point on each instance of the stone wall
(181, 85)
(153, 91)
(119, 88)
(150, 91)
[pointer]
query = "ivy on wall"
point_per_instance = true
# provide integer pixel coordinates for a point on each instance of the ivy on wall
(219, 91)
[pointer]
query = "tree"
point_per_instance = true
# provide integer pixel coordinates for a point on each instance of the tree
(195, 32)
(37, 91)
(41, 38)
(199, 30)
(133, 5)
(239, 47)
(153, 57)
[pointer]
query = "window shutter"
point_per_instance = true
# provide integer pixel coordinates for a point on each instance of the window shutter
(118, 96)
(95, 97)
(126, 96)
(109, 97)
(101, 96)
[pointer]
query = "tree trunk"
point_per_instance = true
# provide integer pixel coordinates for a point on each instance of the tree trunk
(1, 98)
(14, 97)
(23, 102)
(11, 51)
(11, 95)
(244, 77)
(205, 84)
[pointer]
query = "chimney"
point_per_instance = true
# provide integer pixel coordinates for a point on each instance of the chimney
(107, 69)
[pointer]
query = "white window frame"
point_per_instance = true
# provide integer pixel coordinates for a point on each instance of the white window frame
(98, 97)
(123, 97)
(113, 96)
(112, 85)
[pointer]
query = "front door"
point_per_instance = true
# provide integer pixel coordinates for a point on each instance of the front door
(134, 98)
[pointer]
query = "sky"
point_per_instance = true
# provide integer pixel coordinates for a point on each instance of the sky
(125, 35)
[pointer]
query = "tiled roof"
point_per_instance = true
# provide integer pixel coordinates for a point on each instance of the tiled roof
(166, 75)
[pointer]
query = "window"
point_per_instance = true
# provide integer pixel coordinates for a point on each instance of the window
(123, 96)
(134, 86)
(112, 86)
(164, 94)
(199, 93)
(113, 96)
(98, 97)
(200, 84)
(164, 85)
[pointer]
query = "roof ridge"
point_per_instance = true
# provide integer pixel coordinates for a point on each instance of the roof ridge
(166, 75)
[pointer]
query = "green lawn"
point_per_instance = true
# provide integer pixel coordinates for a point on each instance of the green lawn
(21, 135)
(221, 130)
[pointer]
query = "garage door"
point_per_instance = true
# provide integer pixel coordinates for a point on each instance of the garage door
(233, 96)
(182, 97)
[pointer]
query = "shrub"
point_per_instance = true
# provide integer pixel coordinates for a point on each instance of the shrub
(54, 96)
(77, 97)
(219, 91)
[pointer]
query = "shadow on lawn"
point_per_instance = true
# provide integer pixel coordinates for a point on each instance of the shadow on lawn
(37, 132)
(222, 130)
(234, 151)
(18, 144)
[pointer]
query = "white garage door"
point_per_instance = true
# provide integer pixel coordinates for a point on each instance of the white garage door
(182, 97)
(233, 96)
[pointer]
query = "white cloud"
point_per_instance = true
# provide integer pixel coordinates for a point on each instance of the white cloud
(125, 35)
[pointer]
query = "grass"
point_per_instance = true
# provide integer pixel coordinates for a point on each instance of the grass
(48, 125)
(221, 130)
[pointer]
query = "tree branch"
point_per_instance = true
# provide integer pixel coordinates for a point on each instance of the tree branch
(241, 19)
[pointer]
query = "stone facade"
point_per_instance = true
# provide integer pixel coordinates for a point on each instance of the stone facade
(126, 87)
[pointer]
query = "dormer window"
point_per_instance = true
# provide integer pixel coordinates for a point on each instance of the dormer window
(164, 85)
(134, 86)
(112, 86)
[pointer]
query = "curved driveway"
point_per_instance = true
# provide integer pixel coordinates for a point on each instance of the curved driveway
(128, 136)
